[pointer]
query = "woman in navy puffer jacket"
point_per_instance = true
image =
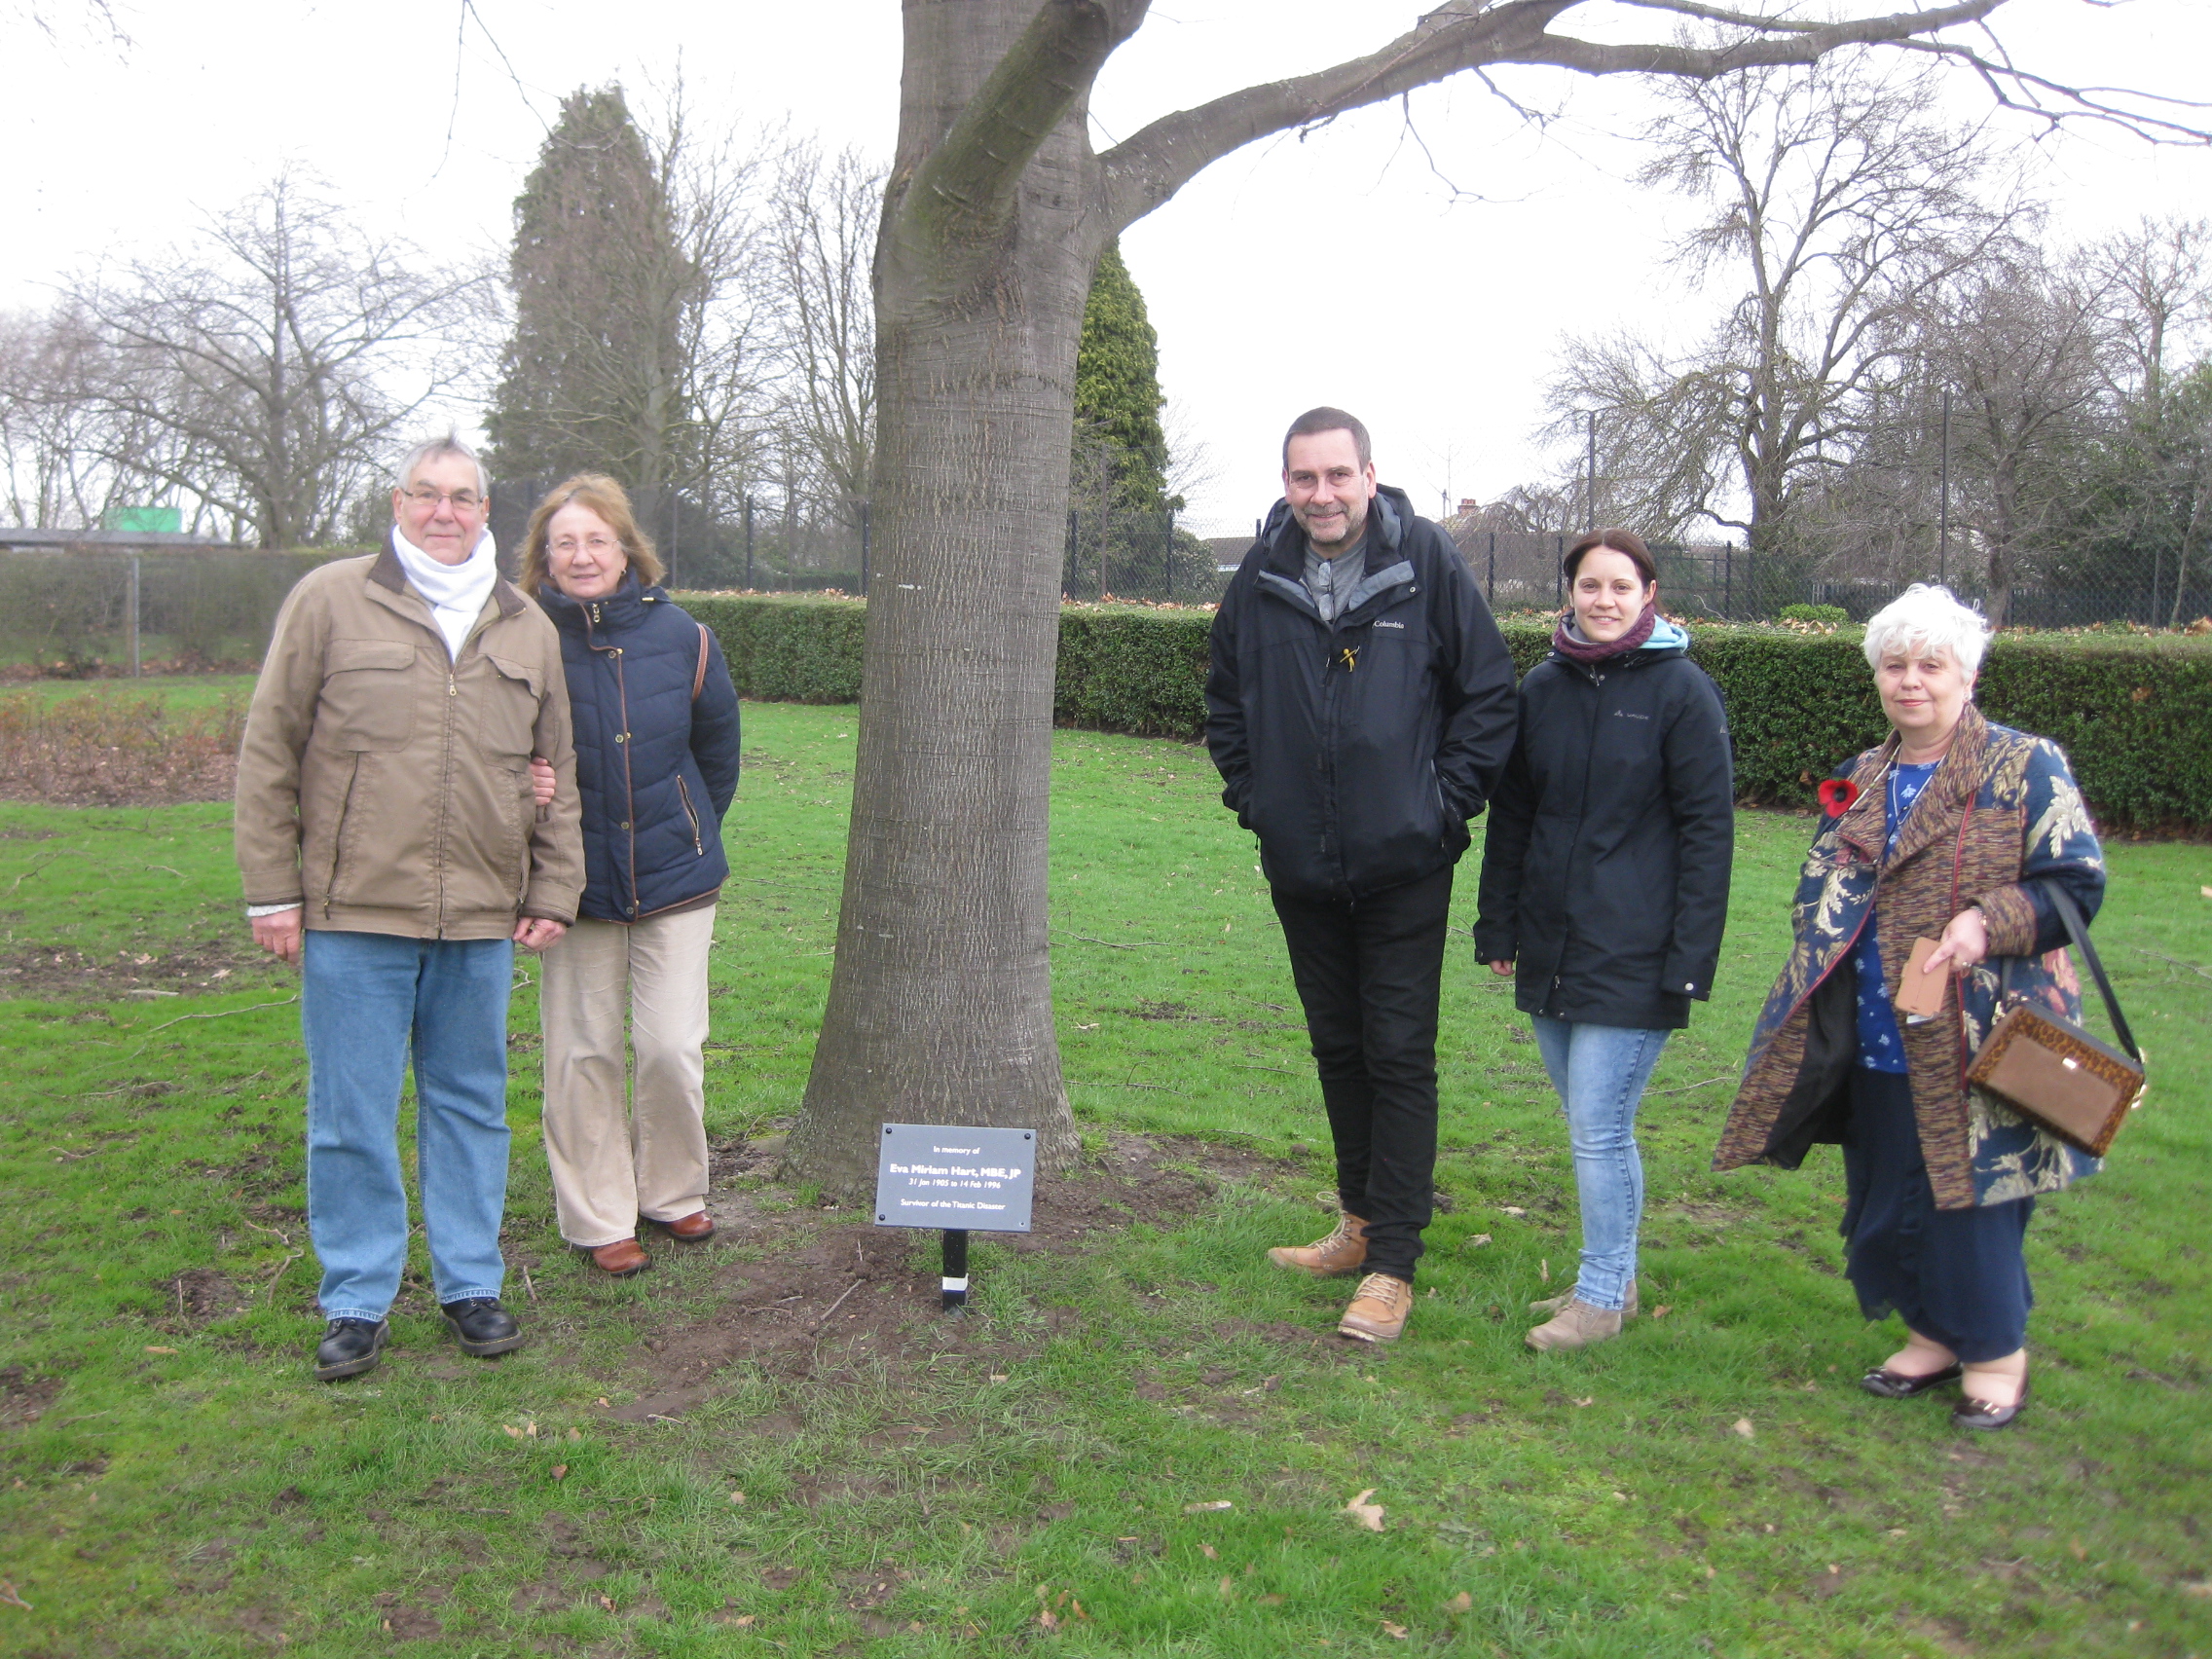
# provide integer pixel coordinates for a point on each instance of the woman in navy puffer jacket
(655, 718)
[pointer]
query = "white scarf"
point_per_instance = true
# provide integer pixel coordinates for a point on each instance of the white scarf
(456, 592)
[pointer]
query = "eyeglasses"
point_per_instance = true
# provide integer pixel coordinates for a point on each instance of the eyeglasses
(462, 501)
(599, 546)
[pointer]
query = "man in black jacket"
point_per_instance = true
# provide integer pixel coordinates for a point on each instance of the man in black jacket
(1360, 706)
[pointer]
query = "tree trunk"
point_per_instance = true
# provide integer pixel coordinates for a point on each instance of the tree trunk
(940, 1005)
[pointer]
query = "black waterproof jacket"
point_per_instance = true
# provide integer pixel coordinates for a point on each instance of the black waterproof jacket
(1356, 750)
(1605, 864)
(656, 769)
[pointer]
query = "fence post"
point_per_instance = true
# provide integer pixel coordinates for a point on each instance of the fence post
(1559, 572)
(748, 541)
(675, 535)
(1167, 557)
(1067, 564)
(137, 668)
(1727, 578)
(1489, 582)
(866, 526)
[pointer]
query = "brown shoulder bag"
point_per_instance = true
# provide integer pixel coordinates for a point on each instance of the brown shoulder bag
(2053, 1072)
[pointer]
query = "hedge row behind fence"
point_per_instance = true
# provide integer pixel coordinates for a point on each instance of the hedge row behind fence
(2134, 714)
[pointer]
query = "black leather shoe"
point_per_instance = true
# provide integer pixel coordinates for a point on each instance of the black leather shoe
(1896, 1385)
(1982, 1416)
(348, 1347)
(482, 1326)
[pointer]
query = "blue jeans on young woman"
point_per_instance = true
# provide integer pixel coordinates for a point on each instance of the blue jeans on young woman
(1600, 1072)
(369, 1003)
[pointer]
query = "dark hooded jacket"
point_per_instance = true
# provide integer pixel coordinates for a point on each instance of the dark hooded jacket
(1357, 750)
(1605, 864)
(656, 767)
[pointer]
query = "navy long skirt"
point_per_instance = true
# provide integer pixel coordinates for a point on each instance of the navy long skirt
(1957, 1276)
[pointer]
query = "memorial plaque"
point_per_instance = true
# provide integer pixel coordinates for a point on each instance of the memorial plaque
(963, 1180)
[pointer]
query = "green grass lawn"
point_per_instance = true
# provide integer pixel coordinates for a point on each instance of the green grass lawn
(1140, 1441)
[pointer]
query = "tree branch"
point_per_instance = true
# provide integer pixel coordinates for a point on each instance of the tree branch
(967, 186)
(1460, 35)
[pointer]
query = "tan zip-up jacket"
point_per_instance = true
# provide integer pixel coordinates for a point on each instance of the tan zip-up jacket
(386, 784)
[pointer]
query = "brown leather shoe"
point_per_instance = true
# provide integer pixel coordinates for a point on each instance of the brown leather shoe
(1338, 1255)
(694, 1228)
(1574, 1326)
(622, 1259)
(1377, 1310)
(1558, 1304)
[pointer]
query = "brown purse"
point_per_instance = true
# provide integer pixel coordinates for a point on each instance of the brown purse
(2053, 1072)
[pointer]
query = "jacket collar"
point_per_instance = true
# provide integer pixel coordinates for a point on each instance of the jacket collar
(621, 611)
(1865, 823)
(1387, 569)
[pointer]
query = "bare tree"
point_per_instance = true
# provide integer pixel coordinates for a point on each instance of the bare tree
(2019, 342)
(263, 357)
(996, 212)
(1838, 200)
(824, 213)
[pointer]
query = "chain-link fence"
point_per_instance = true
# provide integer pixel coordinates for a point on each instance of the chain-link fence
(750, 544)
(75, 612)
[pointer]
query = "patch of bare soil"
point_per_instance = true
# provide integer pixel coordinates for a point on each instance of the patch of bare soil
(23, 1398)
(850, 1292)
(48, 973)
(199, 1295)
(104, 751)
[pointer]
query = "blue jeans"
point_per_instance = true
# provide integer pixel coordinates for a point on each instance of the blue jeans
(368, 1003)
(1600, 1072)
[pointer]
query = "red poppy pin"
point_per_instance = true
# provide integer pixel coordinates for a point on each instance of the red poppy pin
(1836, 796)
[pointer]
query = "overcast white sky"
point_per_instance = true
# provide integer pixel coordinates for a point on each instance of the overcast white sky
(1437, 324)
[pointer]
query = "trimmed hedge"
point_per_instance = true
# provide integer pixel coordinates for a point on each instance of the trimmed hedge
(2133, 714)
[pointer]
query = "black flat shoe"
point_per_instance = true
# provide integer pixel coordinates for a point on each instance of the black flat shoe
(348, 1347)
(1982, 1416)
(1891, 1385)
(482, 1326)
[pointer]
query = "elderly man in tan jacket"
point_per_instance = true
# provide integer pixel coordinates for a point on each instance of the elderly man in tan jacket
(390, 848)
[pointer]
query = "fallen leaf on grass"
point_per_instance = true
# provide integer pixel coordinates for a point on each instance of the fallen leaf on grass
(560, 1471)
(607, 1602)
(1271, 1600)
(8, 1591)
(1208, 1506)
(1587, 1400)
(1476, 1242)
(1395, 1631)
(1210, 1552)
(998, 1377)
(2200, 1588)
(1662, 1311)
(1228, 1584)
(1514, 1210)
(150, 1348)
(1744, 1427)
(1048, 1620)
(737, 1497)
(1462, 1602)
(1368, 1515)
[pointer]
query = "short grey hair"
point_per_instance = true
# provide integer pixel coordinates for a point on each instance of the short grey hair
(437, 449)
(1927, 620)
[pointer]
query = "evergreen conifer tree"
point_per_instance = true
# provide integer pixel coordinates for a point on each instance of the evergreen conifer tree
(1119, 443)
(591, 377)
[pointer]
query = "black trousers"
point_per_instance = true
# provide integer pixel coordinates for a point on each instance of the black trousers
(1956, 1275)
(1368, 972)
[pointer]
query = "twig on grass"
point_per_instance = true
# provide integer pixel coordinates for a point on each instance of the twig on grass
(269, 1289)
(225, 1013)
(1256, 1002)
(1112, 944)
(2175, 961)
(526, 1283)
(9, 1596)
(839, 1303)
(1086, 1083)
(1684, 1088)
(1243, 1066)
(283, 1239)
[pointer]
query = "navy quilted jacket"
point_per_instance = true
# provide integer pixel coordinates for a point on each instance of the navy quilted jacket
(658, 770)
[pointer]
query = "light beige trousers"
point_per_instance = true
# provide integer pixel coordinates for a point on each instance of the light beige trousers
(611, 1166)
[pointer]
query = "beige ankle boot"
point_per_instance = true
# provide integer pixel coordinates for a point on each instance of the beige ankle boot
(1336, 1256)
(1377, 1310)
(1576, 1325)
(1557, 1303)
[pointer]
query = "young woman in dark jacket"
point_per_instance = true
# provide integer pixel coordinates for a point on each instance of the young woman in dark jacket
(655, 718)
(1604, 887)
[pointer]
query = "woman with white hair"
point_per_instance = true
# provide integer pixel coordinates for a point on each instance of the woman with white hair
(1955, 830)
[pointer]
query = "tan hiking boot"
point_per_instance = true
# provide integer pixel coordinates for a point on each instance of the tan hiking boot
(1576, 1325)
(1377, 1310)
(1338, 1256)
(1558, 1304)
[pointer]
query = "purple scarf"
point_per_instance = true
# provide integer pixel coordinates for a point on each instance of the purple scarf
(1570, 644)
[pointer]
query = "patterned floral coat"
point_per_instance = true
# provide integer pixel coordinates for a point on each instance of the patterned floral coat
(2000, 817)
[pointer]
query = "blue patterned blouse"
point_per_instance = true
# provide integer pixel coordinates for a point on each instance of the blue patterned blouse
(1881, 1044)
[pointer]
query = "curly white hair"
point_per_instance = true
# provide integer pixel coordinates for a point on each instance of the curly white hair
(1927, 620)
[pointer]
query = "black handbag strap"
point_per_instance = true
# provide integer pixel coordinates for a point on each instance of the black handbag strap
(2070, 914)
